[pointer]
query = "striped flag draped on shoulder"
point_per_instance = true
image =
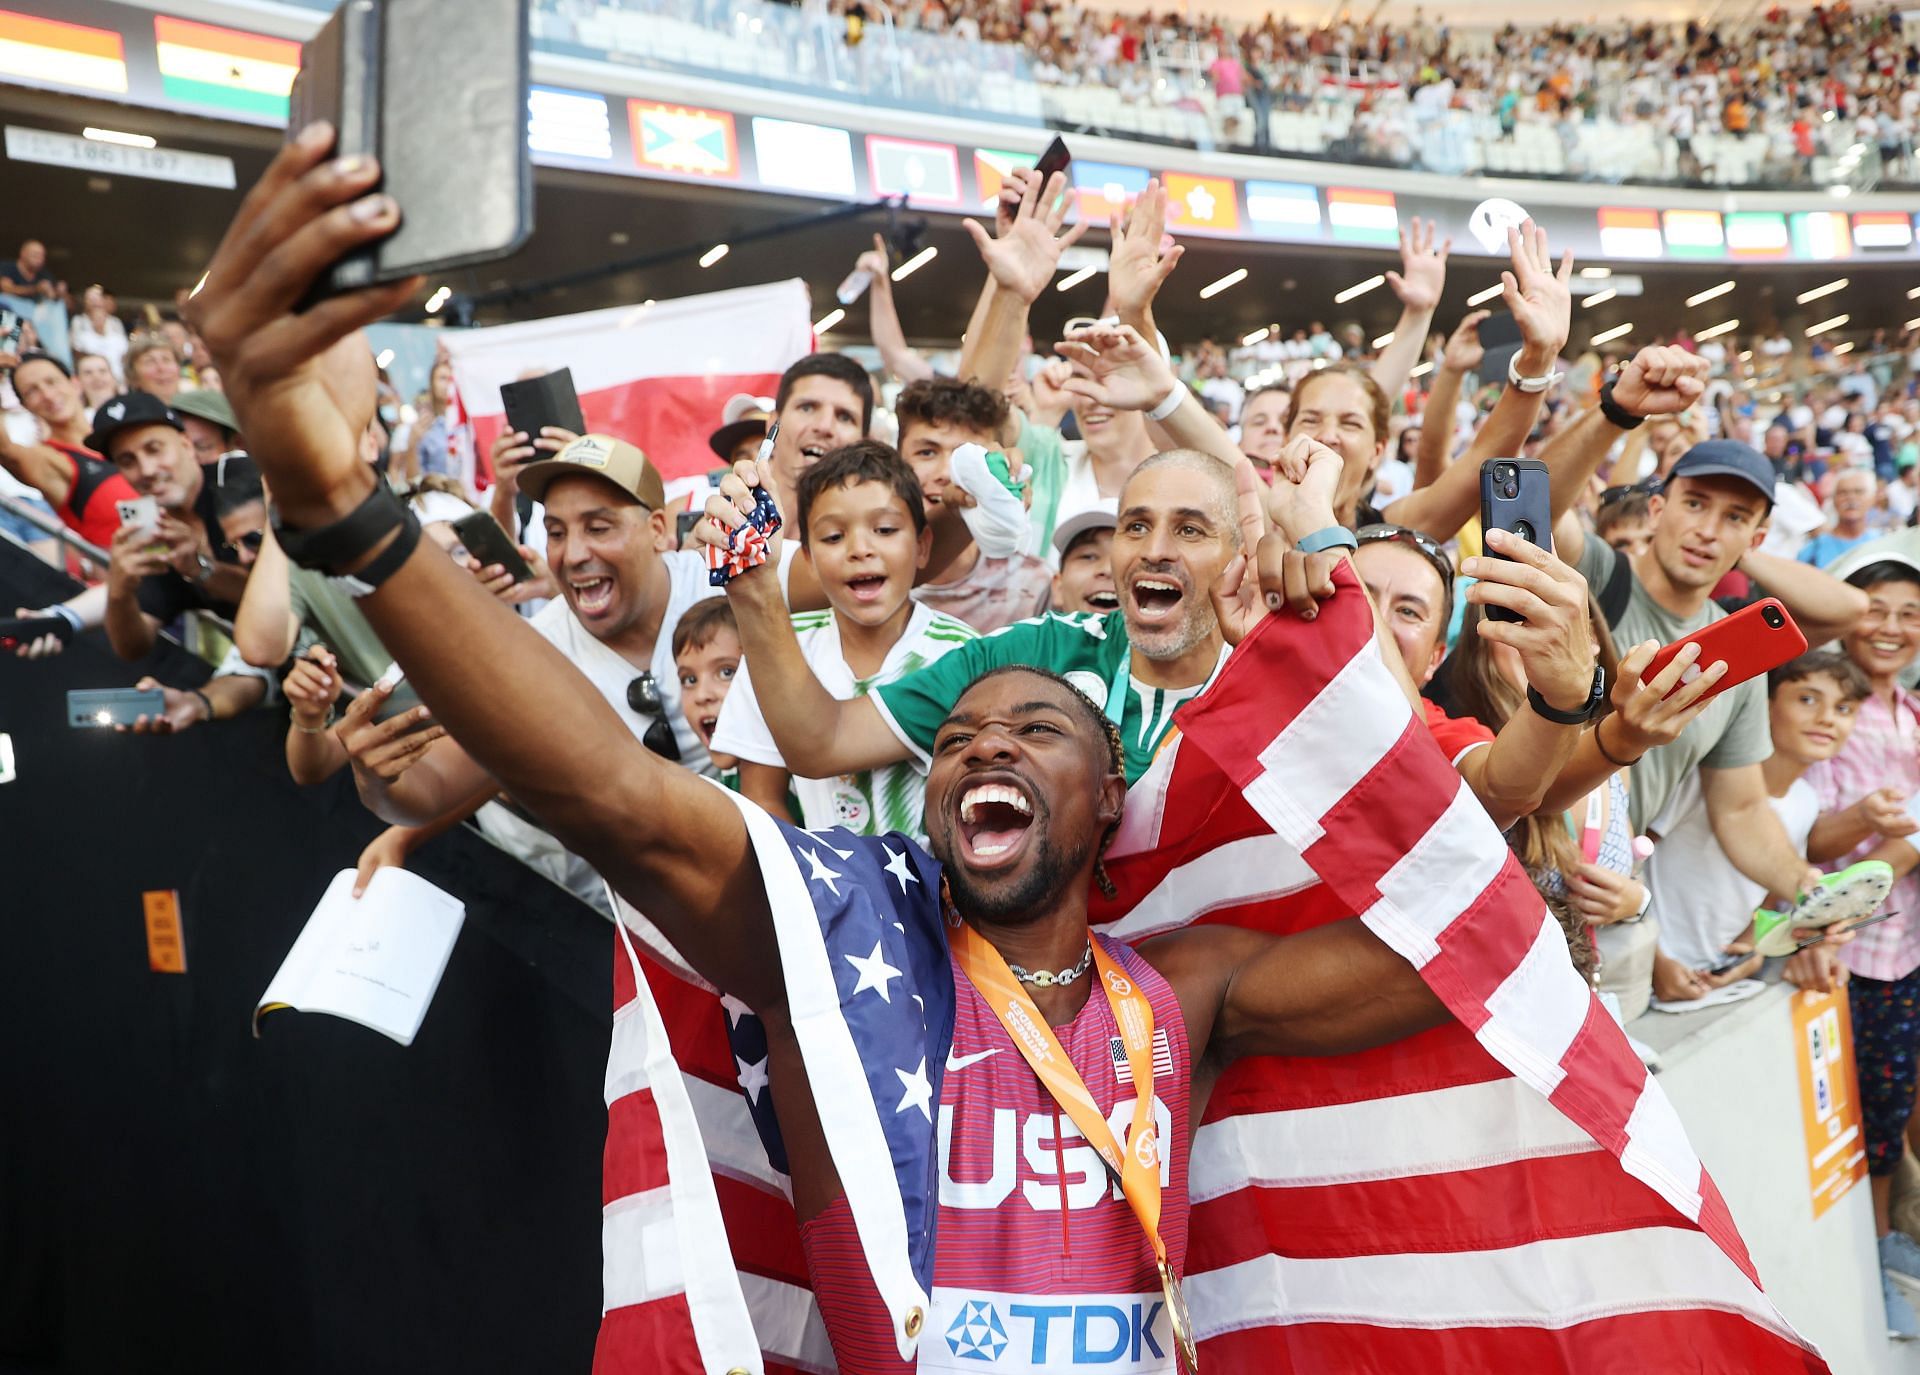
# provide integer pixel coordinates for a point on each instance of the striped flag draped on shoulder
(1511, 1191)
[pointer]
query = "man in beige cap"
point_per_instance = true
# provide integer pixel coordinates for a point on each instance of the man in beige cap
(620, 599)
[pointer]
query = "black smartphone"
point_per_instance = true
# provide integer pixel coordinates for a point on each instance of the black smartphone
(1499, 336)
(437, 90)
(19, 630)
(545, 400)
(109, 707)
(683, 526)
(1516, 495)
(1055, 159)
(481, 536)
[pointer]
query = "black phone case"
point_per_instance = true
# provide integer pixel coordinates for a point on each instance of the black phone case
(538, 401)
(483, 538)
(437, 90)
(1056, 158)
(1528, 513)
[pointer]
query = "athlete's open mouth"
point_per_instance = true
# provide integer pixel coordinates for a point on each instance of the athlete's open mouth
(994, 821)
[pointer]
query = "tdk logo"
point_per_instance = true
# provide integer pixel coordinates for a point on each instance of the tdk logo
(1036, 1334)
(976, 1332)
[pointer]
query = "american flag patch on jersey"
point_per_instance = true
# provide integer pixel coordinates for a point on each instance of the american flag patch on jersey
(1162, 1058)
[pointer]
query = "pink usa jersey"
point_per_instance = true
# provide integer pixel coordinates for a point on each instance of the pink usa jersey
(1039, 1261)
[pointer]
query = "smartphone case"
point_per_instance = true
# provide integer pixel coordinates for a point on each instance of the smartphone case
(538, 401)
(1528, 513)
(437, 90)
(123, 706)
(483, 538)
(1749, 644)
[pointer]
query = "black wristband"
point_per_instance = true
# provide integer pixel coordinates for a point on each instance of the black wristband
(347, 540)
(1616, 415)
(1580, 715)
(386, 563)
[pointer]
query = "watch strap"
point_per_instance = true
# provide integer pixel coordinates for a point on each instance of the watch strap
(1331, 537)
(1617, 415)
(346, 540)
(1580, 715)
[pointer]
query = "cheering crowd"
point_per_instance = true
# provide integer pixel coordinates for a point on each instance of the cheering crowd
(1093, 511)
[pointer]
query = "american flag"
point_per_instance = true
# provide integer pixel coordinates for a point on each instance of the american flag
(1511, 1191)
(871, 996)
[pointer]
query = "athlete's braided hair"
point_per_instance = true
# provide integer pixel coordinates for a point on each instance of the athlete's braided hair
(1103, 727)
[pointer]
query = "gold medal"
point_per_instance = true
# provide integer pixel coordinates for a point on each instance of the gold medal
(1182, 1321)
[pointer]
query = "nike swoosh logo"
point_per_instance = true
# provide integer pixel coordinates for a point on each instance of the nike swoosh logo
(963, 1061)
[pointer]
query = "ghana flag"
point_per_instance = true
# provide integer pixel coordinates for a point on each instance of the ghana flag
(243, 74)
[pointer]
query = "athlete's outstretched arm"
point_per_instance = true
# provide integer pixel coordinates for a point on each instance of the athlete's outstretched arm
(303, 386)
(1328, 991)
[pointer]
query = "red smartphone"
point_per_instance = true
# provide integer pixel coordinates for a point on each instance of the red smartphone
(1752, 641)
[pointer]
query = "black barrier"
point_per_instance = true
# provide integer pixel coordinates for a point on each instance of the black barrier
(177, 1196)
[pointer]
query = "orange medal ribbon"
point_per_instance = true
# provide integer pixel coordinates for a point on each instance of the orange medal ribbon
(1137, 1166)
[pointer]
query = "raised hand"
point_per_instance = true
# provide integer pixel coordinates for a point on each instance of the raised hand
(513, 450)
(179, 711)
(732, 502)
(303, 383)
(1540, 300)
(1554, 637)
(1023, 259)
(874, 262)
(1463, 350)
(1423, 267)
(383, 750)
(312, 686)
(1644, 716)
(1136, 266)
(1123, 370)
(1660, 380)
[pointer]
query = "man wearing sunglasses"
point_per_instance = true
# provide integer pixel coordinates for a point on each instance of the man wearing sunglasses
(620, 598)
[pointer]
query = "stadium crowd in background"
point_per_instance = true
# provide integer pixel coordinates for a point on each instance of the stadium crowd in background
(1078, 504)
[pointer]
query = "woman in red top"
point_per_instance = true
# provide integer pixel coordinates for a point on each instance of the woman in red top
(82, 487)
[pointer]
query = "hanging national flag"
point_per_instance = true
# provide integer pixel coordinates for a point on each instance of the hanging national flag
(1283, 209)
(990, 168)
(1695, 234)
(656, 374)
(243, 74)
(1882, 229)
(1105, 189)
(1757, 234)
(569, 124)
(1626, 233)
(1511, 1191)
(926, 173)
(1362, 216)
(1821, 234)
(814, 158)
(684, 140)
(46, 52)
(1204, 204)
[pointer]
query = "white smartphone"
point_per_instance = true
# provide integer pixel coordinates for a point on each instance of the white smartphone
(143, 513)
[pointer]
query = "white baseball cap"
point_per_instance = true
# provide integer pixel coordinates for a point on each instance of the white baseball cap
(1102, 515)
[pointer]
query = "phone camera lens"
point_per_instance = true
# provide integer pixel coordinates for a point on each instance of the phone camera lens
(1771, 615)
(1511, 490)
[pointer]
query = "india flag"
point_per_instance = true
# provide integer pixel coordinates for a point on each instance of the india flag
(1821, 234)
(1695, 234)
(1630, 233)
(243, 74)
(1362, 216)
(45, 52)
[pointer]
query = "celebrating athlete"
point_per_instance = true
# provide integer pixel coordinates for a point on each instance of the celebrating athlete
(1025, 787)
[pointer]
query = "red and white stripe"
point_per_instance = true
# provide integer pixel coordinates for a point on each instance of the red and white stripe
(654, 374)
(701, 1262)
(1511, 1191)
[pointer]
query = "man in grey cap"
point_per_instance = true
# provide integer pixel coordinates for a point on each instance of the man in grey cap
(1711, 514)
(1082, 545)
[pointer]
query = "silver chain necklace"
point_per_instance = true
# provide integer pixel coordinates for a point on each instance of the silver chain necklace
(1047, 978)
